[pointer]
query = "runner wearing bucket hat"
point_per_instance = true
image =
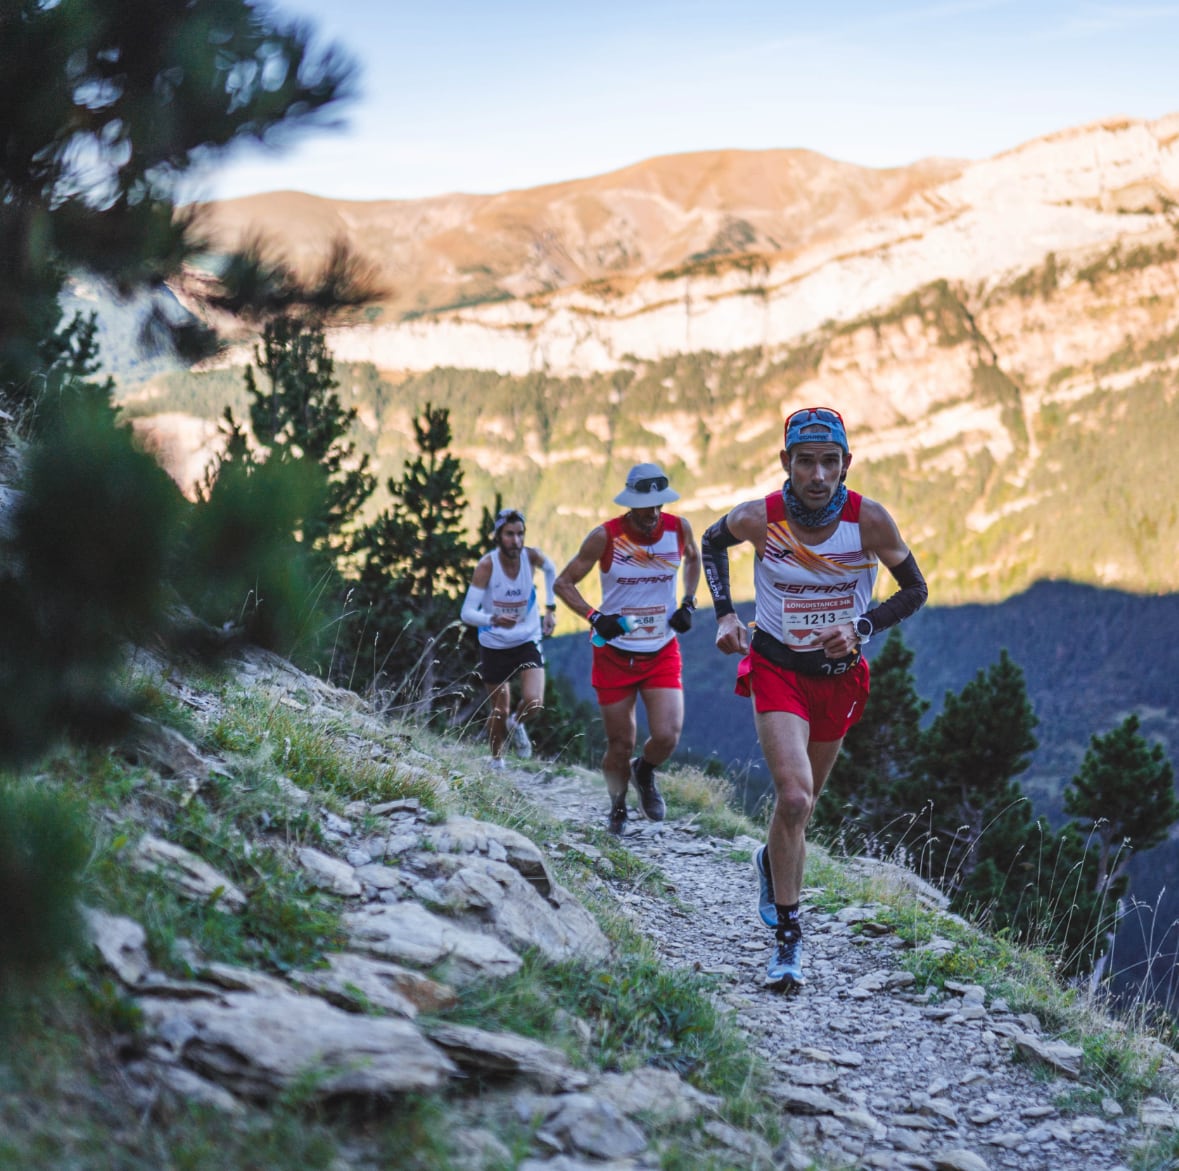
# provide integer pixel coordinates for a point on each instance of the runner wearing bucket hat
(639, 556)
(646, 487)
(818, 546)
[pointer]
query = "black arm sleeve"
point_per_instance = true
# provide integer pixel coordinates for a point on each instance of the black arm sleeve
(714, 559)
(907, 600)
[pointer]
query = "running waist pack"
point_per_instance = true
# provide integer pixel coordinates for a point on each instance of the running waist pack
(801, 662)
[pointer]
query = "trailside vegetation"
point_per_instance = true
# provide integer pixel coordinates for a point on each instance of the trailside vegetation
(946, 801)
(105, 119)
(403, 632)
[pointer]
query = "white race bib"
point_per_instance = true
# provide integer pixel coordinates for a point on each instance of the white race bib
(646, 621)
(513, 610)
(803, 618)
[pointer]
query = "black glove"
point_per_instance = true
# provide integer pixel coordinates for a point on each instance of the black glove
(609, 626)
(681, 620)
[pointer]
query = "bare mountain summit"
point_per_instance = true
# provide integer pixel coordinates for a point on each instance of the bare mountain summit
(656, 215)
(719, 251)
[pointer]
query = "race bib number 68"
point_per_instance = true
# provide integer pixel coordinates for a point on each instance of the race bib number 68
(646, 621)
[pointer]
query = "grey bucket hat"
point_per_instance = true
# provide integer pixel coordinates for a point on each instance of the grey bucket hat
(646, 486)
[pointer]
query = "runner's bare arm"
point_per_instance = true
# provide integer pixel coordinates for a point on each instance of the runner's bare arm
(540, 561)
(583, 561)
(690, 567)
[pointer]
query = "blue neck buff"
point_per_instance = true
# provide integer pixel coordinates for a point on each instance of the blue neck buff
(814, 518)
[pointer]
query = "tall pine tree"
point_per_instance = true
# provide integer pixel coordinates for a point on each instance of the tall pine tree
(1123, 799)
(415, 559)
(107, 106)
(297, 414)
(964, 793)
(1123, 796)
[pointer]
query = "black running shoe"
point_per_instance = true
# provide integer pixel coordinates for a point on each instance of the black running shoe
(617, 818)
(650, 799)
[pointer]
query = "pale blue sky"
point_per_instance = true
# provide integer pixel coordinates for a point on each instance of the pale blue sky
(489, 95)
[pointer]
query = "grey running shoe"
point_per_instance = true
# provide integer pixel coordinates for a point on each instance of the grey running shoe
(497, 762)
(617, 819)
(785, 966)
(520, 742)
(650, 799)
(765, 888)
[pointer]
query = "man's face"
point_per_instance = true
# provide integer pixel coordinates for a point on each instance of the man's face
(816, 471)
(511, 540)
(646, 520)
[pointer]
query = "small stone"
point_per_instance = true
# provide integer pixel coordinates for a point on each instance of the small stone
(959, 1160)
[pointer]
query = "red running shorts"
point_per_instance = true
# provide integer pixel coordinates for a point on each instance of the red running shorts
(831, 703)
(618, 674)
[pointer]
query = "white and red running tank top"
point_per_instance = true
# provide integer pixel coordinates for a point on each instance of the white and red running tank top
(801, 588)
(511, 597)
(639, 580)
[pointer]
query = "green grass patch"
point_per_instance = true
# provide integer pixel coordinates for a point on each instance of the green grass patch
(1158, 1151)
(314, 756)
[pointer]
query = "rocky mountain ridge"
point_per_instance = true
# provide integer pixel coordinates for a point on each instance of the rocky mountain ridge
(978, 338)
(1070, 194)
(658, 214)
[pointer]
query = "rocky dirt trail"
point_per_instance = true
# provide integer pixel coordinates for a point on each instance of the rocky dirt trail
(875, 1070)
(870, 1068)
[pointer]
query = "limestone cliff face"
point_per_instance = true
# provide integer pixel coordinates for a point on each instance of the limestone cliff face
(1073, 194)
(985, 332)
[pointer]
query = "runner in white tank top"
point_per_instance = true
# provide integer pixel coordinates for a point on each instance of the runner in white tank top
(803, 589)
(501, 603)
(639, 557)
(817, 548)
(511, 596)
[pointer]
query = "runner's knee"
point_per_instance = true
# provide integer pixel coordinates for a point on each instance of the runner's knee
(794, 805)
(620, 744)
(664, 740)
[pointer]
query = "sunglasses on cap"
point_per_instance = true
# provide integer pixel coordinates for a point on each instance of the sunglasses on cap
(822, 414)
(650, 484)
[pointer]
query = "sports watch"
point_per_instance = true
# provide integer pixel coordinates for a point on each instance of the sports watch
(863, 628)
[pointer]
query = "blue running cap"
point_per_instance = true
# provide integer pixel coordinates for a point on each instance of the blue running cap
(816, 425)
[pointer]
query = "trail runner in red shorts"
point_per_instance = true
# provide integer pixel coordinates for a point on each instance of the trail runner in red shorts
(818, 546)
(639, 557)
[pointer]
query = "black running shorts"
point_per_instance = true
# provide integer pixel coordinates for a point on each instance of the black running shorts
(498, 666)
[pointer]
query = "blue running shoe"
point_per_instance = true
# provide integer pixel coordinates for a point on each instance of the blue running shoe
(785, 966)
(765, 888)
